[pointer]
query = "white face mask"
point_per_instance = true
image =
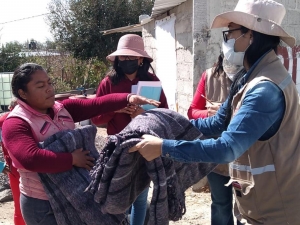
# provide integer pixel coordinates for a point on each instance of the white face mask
(236, 58)
(230, 69)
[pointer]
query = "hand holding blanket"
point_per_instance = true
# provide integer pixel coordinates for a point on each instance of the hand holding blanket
(66, 191)
(119, 177)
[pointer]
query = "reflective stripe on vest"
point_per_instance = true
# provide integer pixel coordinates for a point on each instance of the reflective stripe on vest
(253, 171)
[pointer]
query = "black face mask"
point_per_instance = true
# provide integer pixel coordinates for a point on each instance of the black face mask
(129, 66)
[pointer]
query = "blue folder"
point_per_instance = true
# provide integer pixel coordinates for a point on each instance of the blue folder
(152, 93)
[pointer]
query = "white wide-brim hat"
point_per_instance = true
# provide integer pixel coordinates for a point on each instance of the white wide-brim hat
(263, 16)
(130, 45)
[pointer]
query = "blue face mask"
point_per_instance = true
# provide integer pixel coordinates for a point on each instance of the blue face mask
(129, 66)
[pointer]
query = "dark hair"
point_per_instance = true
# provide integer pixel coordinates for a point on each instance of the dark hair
(116, 74)
(262, 43)
(218, 65)
(22, 76)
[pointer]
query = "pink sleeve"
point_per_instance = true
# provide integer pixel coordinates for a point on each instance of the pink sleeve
(198, 106)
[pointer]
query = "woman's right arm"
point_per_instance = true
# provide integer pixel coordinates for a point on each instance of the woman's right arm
(19, 140)
(103, 89)
(198, 106)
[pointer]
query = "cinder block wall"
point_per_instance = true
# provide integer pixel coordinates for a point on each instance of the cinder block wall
(184, 51)
(197, 47)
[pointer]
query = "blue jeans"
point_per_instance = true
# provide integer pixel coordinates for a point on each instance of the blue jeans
(221, 196)
(36, 211)
(139, 208)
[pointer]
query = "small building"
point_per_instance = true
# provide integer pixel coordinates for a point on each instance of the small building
(178, 37)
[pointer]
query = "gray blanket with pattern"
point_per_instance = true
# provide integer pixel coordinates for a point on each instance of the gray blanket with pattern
(119, 177)
(66, 191)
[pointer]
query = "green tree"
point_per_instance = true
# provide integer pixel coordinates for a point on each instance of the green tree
(69, 73)
(11, 56)
(77, 25)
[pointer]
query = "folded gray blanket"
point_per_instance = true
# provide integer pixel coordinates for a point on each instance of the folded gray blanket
(119, 177)
(66, 191)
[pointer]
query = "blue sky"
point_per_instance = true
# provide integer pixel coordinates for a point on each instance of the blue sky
(27, 29)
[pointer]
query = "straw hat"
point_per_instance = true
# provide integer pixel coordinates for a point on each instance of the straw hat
(264, 16)
(130, 45)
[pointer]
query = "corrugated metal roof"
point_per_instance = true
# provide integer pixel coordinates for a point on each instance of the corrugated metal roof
(131, 28)
(162, 6)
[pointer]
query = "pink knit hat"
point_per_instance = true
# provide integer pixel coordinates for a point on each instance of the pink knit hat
(130, 45)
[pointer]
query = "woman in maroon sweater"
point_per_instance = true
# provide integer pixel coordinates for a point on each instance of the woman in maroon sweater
(130, 65)
(32, 87)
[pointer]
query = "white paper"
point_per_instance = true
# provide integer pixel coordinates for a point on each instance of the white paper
(134, 89)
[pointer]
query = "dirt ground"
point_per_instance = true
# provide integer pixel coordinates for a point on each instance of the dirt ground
(197, 209)
(197, 205)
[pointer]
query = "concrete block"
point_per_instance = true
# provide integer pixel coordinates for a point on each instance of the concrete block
(180, 87)
(190, 98)
(291, 4)
(184, 7)
(184, 55)
(184, 24)
(188, 88)
(184, 40)
(293, 18)
(184, 71)
(181, 99)
(216, 36)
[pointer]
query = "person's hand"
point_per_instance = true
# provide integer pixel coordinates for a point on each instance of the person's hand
(212, 109)
(140, 100)
(149, 147)
(82, 159)
(6, 170)
(129, 109)
(139, 110)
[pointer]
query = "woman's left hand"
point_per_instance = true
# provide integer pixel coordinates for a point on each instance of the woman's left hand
(139, 110)
(149, 147)
(140, 100)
